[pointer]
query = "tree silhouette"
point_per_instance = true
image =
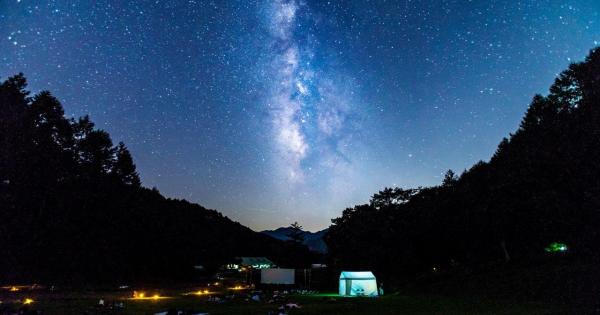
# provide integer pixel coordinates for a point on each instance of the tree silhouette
(296, 233)
(124, 168)
(96, 152)
(72, 208)
(450, 179)
(540, 186)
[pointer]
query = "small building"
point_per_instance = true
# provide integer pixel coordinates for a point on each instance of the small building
(277, 276)
(358, 283)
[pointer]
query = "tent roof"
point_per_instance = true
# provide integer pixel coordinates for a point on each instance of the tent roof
(357, 275)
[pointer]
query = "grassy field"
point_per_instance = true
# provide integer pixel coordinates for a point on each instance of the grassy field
(311, 304)
(564, 287)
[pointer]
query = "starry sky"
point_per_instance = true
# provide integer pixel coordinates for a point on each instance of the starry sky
(274, 111)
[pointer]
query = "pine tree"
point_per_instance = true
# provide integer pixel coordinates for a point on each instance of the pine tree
(124, 167)
(449, 179)
(296, 233)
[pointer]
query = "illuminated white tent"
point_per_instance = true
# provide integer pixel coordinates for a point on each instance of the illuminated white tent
(358, 283)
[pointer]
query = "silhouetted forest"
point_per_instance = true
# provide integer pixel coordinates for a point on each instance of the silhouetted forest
(542, 185)
(73, 209)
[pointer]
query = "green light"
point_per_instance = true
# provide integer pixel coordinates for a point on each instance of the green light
(556, 247)
(325, 294)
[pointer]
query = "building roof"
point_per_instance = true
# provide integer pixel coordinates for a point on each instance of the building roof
(255, 261)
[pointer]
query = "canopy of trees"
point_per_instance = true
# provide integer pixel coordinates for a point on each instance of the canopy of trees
(541, 186)
(72, 208)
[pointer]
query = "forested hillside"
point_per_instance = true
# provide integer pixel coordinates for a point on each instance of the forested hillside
(72, 207)
(541, 186)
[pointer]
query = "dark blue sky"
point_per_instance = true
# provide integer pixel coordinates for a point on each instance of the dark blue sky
(276, 111)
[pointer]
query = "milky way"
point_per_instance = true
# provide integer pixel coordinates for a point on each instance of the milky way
(308, 110)
(274, 111)
(289, 88)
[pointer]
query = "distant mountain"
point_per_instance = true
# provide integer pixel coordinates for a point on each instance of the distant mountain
(314, 241)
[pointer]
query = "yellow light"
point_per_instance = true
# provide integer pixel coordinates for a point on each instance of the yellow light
(138, 295)
(142, 296)
(199, 292)
(13, 289)
(27, 301)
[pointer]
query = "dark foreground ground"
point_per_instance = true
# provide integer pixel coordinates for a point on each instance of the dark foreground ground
(310, 304)
(558, 287)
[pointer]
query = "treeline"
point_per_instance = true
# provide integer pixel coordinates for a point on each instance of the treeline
(72, 209)
(542, 185)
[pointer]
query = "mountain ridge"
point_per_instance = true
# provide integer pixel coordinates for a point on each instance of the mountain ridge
(313, 240)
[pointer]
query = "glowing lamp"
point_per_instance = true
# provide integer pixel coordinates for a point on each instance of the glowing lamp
(556, 247)
(138, 295)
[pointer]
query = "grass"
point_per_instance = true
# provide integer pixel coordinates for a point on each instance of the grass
(563, 287)
(311, 304)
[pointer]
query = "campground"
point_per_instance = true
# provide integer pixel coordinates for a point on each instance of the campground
(76, 303)
(562, 287)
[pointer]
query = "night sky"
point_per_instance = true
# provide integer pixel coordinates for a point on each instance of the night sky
(277, 111)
